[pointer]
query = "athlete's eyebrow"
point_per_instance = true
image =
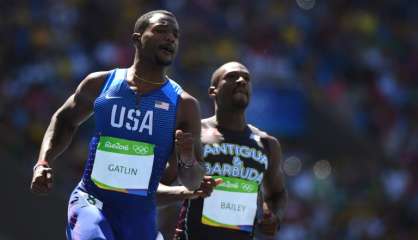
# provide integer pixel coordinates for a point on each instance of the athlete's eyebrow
(162, 23)
(165, 22)
(165, 26)
(172, 28)
(237, 72)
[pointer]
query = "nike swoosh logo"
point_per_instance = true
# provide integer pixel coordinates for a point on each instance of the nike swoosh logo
(111, 97)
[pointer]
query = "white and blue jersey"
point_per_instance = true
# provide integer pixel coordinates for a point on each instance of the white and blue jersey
(133, 141)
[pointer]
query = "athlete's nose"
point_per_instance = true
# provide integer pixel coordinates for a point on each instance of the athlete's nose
(170, 37)
(241, 81)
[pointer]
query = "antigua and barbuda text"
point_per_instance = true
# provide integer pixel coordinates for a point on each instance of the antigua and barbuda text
(237, 168)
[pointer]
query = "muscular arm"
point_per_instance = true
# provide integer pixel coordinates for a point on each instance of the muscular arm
(171, 194)
(66, 120)
(63, 125)
(188, 120)
(274, 191)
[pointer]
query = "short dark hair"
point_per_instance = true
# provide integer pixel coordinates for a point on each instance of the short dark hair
(143, 21)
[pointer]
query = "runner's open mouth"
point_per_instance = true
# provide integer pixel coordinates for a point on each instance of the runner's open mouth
(167, 48)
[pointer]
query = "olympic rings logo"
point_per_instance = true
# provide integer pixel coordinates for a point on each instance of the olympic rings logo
(247, 187)
(140, 149)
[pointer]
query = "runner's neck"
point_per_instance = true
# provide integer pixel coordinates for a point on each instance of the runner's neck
(231, 121)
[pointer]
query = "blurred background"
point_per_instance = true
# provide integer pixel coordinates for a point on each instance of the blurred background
(334, 81)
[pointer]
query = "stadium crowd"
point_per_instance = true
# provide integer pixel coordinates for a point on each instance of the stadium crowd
(349, 66)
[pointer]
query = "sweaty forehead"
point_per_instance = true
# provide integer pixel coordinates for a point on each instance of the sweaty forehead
(234, 67)
(162, 19)
(229, 67)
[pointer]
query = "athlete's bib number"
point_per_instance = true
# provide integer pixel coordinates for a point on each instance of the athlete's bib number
(82, 199)
(123, 165)
(232, 204)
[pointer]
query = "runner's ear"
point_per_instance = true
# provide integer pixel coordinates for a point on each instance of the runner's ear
(136, 38)
(212, 92)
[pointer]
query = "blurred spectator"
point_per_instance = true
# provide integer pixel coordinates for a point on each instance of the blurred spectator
(352, 63)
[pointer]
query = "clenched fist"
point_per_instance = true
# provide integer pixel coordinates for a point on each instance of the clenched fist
(206, 187)
(41, 180)
(269, 223)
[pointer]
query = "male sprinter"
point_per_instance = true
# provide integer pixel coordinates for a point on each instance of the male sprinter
(244, 157)
(140, 114)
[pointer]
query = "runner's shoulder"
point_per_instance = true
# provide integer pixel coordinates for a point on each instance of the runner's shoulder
(96, 78)
(188, 108)
(188, 99)
(90, 86)
(264, 135)
(208, 123)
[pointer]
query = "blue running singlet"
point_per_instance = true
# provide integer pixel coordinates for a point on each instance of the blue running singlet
(128, 153)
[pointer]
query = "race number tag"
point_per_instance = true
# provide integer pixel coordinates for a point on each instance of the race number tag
(123, 165)
(232, 204)
(82, 199)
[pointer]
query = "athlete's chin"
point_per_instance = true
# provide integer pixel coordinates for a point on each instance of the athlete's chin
(240, 104)
(164, 61)
(240, 100)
